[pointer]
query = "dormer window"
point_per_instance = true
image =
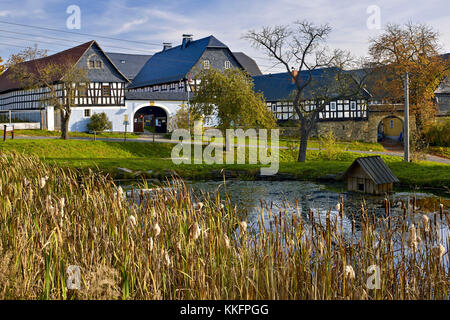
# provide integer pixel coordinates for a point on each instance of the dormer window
(227, 64)
(94, 62)
(206, 64)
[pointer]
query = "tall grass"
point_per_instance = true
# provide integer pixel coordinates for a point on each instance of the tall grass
(172, 246)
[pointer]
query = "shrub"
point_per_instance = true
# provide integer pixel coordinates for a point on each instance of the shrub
(438, 133)
(99, 122)
(329, 149)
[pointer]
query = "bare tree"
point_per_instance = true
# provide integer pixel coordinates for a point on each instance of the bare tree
(60, 80)
(301, 49)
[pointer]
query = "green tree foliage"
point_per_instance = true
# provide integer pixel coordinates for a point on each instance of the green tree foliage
(99, 122)
(185, 119)
(230, 97)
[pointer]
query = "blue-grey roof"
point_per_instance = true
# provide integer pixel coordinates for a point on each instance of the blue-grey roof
(128, 64)
(174, 64)
(248, 63)
(168, 96)
(280, 86)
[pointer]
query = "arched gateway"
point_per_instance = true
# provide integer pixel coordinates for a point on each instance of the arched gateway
(150, 118)
(390, 128)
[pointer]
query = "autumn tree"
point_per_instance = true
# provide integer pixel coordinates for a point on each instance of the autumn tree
(301, 49)
(2, 66)
(61, 80)
(230, 97)
(412, 48)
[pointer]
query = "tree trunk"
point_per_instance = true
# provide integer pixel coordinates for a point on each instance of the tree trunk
(303, 144)
(65, 116)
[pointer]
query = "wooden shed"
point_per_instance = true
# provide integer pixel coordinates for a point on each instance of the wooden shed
(370, 175)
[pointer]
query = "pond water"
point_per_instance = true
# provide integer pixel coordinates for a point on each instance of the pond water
(298, 197)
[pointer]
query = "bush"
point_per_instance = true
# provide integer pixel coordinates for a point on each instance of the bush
(99, 122)
(438, 133)
(329, 148)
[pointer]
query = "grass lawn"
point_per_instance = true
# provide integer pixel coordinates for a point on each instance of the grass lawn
(441, 151)
(46, 133)
(108, 156)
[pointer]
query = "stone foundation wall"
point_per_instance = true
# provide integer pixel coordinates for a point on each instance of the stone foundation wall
(349, 130)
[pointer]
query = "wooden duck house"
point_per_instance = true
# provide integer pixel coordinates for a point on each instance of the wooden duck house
(370, 175)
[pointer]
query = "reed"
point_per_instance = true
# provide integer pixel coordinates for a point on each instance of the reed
(173, 245)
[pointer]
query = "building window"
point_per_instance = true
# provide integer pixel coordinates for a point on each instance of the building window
(333, 106)
(206, 64)
(391, 124)
(227, 64)
(106, 91)
(82, 91)
(87, 113)
(94, 62)
(353, 105)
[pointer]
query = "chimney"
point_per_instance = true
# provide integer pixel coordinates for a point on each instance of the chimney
(167, 46)
(294, 75)
(186, 39)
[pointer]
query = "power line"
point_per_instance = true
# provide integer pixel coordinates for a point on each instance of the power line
(13, 45)
(79, 33)
(60, 39)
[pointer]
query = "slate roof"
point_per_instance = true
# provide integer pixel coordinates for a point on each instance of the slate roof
(248, 63)
(70, 56)
(129, 64)
(375, 168)
(174, 64)
(279, 86)
(169, 96)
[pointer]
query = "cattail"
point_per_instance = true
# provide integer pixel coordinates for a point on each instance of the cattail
(119, 193)
(349, 272)
(150, 243)
(320, 247)
(166, 258)
(179, 245)
(132, 220)
(43, 182)
(243, 226)
(26, 182)
(227, 241)
(438, 251)
(195, 232)
(412, 238)
(198, 206)
(156, 230)
(338, 207)
(426, 223)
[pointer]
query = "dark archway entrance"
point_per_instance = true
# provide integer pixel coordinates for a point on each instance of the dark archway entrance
(153, 119)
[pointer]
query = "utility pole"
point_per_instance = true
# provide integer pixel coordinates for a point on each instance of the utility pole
(406, 125)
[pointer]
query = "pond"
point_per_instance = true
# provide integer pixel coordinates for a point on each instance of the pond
(299, 197)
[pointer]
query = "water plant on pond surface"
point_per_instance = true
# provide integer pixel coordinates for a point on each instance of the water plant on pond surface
(169, 247)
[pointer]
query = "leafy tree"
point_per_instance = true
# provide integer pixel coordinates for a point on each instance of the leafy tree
(99, 122)
(300, 48)
(230, 97)
(2, 66)
(412, 48)
(184, 118)
(61, 81)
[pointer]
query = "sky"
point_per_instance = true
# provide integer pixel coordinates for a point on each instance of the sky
(145, 25)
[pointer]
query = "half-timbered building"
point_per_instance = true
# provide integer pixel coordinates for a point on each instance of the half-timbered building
(168, 79)
(105, 91)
